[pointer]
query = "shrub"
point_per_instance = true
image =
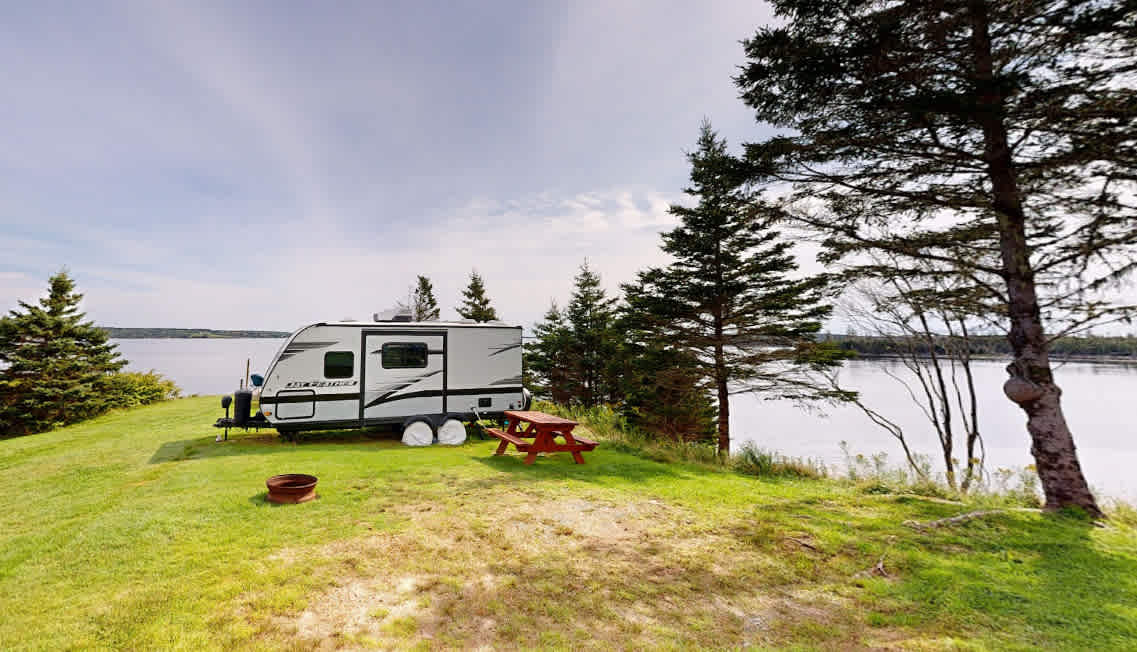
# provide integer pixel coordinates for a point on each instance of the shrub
(134, 388)
(752, 460)
(609, 425)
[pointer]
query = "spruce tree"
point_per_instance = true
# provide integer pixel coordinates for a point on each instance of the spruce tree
(729, 298)
(55, 362)
(424, 307)
(475, 303)
(993, 140)
(665, 393)
(547, 357)
(593, 343)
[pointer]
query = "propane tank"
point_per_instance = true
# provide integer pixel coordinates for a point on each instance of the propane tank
(242, 405)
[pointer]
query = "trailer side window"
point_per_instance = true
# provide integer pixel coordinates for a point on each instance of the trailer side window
(339, 364)
(404, 355)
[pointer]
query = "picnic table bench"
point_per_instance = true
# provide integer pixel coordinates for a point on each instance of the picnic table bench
(542, 429)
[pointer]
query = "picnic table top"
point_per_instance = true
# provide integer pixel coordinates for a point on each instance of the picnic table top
(539, 418)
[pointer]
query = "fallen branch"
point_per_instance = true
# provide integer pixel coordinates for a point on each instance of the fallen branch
(877, 569)
(804, 544)
(952, 520)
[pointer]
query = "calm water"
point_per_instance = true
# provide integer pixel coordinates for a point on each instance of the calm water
(1095, 397)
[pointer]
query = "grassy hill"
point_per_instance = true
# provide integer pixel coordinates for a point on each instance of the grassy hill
(136, 530)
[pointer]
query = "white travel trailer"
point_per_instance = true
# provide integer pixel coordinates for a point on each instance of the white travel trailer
(425, 376)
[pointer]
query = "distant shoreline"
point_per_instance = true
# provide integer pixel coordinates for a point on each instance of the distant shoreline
(115, 333)
(1055, 359)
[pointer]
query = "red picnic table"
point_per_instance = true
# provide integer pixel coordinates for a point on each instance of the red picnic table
(543, 429)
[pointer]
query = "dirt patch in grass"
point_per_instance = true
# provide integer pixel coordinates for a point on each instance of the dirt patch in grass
(546, 571)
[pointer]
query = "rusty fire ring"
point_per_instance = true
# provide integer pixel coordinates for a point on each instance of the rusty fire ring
(291, 488)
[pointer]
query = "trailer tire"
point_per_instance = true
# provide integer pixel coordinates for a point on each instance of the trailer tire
(452, 432)
(419, 432)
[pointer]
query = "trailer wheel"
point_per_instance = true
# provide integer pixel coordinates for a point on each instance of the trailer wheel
(452, 432)
(418, 433)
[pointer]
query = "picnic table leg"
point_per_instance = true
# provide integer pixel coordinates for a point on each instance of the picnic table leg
(576, 456)
(542, 443)
(501, 447)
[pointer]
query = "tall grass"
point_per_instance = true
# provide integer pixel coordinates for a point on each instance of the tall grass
(613, 428)
(870, 474)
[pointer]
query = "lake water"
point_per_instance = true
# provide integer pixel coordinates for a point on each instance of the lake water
(1095, 396)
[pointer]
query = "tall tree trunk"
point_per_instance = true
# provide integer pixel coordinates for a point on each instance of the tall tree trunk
(723, 400)
(720, 355)
(1031, 384)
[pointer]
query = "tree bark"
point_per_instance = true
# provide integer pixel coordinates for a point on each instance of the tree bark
(1031, 383)
(723, 400)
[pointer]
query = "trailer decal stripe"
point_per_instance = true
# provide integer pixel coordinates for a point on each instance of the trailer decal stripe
(515, 380)
(502, 349)
(299, 347)
(482, 391)
(273, 400)
(414, 381)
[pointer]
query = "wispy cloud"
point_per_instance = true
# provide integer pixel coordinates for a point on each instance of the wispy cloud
(260, 165)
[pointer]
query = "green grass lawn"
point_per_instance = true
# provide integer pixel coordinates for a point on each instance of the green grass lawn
(136, 530)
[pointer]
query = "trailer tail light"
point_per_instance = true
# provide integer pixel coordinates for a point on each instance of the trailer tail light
(267, 413)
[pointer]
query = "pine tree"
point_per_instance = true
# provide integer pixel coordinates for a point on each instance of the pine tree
(575, 357)
(665, 393)
(547, 357)
(55, 363)
(593, 343)
(475, 303)
(422, 304)
(992, 139)
(729, 298)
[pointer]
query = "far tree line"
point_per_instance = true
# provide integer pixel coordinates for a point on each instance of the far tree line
(1121, 346)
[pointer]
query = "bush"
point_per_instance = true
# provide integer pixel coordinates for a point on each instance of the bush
(134, 388)
(609, 425)
(752, 460)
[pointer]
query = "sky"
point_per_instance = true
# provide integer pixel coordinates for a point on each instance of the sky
(262, 165)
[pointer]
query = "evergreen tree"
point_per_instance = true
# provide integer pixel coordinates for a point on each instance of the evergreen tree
(575, 356)
(421, 304)
(475, 303)
(992, 139)
(593, 342)
(728, 298)
(55, 361)
(547, 357)
(664, 391)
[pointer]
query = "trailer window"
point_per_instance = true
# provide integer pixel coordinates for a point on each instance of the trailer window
(339, 364)
(404, 355)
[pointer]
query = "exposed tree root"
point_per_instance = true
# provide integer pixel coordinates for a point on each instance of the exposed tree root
(952, 520)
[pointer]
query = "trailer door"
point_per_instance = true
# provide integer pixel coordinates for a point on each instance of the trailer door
(404, 374)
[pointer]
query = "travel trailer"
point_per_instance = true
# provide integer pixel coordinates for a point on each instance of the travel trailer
(427, 377)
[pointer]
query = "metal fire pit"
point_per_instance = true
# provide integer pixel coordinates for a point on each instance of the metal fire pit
(291, 488)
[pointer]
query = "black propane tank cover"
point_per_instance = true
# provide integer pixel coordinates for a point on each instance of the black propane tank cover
(243, 403)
